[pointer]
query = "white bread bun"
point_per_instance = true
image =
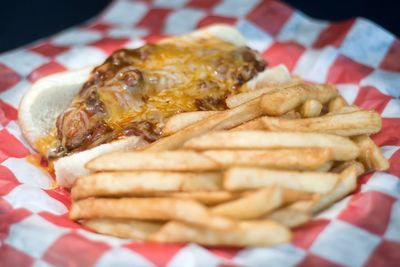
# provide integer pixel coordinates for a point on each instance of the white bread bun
(38, 111)
(51, 95)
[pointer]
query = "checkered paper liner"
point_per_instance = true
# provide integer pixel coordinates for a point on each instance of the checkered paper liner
(361, 58)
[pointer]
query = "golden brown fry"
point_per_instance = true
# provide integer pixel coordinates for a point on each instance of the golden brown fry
(311, 108)
(206, 198)
(280, 101)
(341, 166)
(125, 228)
(136, 183)
(342, 148)
(253, 205)
(325, 167)
(370, 154)
(182, 120)
(287, 159)
(152, 161)
(348, 124)
(347, 183)
(336, 103)
(304, 206)
(291, 195)
(255, 124)
(289, 217)
(289, 115)
(241, 178)
(239, 99)
(244, 234)
(160, 209)
(224, 120)
(344, 110)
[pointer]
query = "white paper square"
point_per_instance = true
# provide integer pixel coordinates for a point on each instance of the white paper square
(348, 91)
(122, 257)
(235, 8)
(314, 65)
(170, 3)
(194, 255)
(34, 199)
(112, 241)
(255, 37)
(40, 263)
(387, 82)
(125, 12)
(127, 32)
(76, 36)
(23, 61)
(34, 235)
(28, 174)
(388, 151)
(334, 210)
(80, 57)
(383, 182)
(301, 29)
(284, 255)
(183, 20)
(343, 243)
(366, 42)
(392, 109)
(14, 94)
(393, 230)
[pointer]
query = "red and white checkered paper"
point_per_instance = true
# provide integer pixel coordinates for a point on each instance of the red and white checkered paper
(361, 58)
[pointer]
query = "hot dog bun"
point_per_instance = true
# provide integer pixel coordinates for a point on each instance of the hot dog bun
(51, 95)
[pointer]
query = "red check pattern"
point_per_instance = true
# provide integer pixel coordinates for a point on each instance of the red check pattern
(361, 58)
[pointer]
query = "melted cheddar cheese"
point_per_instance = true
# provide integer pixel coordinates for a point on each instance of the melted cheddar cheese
(134, 91)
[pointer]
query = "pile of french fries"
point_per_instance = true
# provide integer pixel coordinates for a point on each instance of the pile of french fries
(240, 177)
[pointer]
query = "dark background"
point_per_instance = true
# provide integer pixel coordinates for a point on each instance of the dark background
(22, 22)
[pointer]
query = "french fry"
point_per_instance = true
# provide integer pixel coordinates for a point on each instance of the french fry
(342, 148)
(245, 234)
(152, 161)
(311, 108)
(122, 184)
(304, 206)
(347, 124)
(241, 178)
(370, 154)
(344, 110)
(207, 197)
(224, 120)
(280, 101)
(336, 103)
(325, 167)
(251, 206)
(341, 166)
(255, 124)
(124, 228)
(182, 120)
(239, 99)
(160, 209)
(347, 183)
(270, 76)
(289, 115)
(289, 159)
(289, 217)
(254, 204)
